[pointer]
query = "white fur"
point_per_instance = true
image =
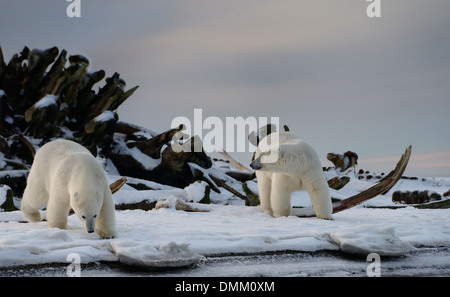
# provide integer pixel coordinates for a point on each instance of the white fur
(65, 175)
(297, 168)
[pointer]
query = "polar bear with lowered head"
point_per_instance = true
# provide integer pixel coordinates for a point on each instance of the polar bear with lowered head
(65, 175)
(285, 163)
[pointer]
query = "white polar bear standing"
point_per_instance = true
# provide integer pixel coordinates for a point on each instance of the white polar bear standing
(65, 175)
(295, 167)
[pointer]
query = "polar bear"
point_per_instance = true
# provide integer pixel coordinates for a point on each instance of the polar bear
(65, 175)
(296, 167)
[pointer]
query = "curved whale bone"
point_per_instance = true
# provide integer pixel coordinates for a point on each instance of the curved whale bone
(382, 187)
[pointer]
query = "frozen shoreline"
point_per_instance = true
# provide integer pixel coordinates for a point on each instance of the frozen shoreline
(173, 236)
(422, 262)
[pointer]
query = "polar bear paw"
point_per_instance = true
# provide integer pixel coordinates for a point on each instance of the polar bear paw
(107, 234)
(330, 218)
(33, 216)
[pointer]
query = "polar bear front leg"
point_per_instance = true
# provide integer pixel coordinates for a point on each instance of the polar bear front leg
(264, 187)
(106, 222)
(57, 212)
(280, 196)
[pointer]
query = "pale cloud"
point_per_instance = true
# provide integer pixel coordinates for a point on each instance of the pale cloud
(437, 162)
(434, 159)
(441, 159)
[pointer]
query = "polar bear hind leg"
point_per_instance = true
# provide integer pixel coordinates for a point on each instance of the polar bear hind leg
(33, 199)
(320, 199)
(31, 214)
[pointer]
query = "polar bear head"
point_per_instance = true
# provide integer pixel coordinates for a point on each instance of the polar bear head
(264, 161)
(87, 206)
(283, 153)
(267, 152)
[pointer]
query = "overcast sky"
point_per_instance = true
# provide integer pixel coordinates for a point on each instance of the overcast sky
(341, 80)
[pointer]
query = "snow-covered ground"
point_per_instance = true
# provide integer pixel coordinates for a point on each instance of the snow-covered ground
(170, 238)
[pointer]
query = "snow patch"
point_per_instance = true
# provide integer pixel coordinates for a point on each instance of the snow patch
(196, 191)
(147, 254)
(3, 194)
(105, 116)
(45, 101)
(364, 240)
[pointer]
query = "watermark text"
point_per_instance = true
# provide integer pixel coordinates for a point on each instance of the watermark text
(214, 134)
(73, 10)
(74, 268)
(374, 9)
(374, 268)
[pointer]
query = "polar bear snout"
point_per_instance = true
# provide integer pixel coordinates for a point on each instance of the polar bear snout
(89, 225)
(89, 222)
(256, 164)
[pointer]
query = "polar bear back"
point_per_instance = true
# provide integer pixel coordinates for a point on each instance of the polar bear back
(57, 160)
(53, 152)
(295, 155)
